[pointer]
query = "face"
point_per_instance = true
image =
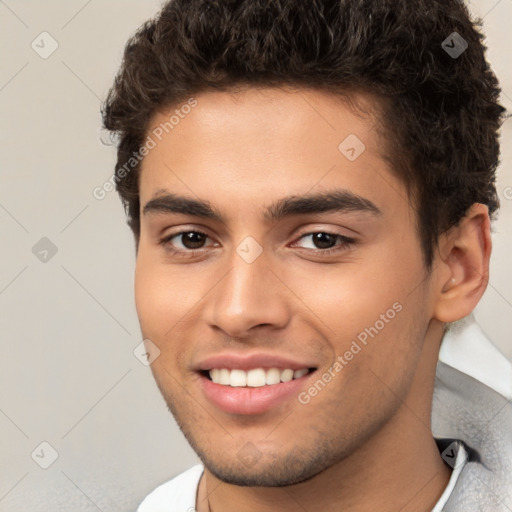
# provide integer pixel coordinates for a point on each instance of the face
(277, 244)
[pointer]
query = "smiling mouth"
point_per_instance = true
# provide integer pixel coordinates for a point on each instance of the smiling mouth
(254, 378)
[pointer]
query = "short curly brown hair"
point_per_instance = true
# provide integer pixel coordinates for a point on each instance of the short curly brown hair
(440, 109)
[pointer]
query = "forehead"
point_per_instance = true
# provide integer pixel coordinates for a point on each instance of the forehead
(256, 144)
(273, 115)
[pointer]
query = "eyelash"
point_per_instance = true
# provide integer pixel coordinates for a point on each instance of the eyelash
(346, 243)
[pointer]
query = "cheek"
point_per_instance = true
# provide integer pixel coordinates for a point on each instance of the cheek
(167, 298)
(372, 311)
(348, 298)
(154, 298)
(162, 308)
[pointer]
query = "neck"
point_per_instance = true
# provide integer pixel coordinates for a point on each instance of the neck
(398, 468)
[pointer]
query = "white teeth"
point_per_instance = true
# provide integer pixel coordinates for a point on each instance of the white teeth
(273, 376)
(238, 378)
(286, 375)
(255, 378)
(215, 375)
(297, 374)
(223, 377)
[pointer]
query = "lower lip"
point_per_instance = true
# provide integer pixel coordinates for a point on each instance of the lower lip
(247, 400)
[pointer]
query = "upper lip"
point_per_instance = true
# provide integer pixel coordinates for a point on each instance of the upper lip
(233, 361)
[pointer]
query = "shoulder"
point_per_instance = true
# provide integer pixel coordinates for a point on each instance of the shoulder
(176, 495)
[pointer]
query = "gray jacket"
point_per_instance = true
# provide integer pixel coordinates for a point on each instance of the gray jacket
(473, 404)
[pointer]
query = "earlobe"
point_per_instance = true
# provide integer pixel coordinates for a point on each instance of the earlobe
(463, 265)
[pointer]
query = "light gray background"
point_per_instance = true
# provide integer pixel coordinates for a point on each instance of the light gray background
(68, 326)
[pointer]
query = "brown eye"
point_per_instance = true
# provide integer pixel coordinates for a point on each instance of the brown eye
(324, 240)
(193, 239)
(185, 241)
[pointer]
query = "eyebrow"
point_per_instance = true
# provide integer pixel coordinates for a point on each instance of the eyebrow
(341, 201)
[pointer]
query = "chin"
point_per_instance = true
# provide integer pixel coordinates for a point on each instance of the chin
(271, 470)
(263, 477)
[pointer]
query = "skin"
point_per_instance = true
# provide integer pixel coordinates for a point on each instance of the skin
(364, 441)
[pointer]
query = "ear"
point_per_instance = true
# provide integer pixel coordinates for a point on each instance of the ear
(462, 265)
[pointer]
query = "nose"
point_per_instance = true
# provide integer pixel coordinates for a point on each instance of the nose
(249, 296)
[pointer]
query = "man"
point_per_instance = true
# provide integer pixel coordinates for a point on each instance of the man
(310, 185)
